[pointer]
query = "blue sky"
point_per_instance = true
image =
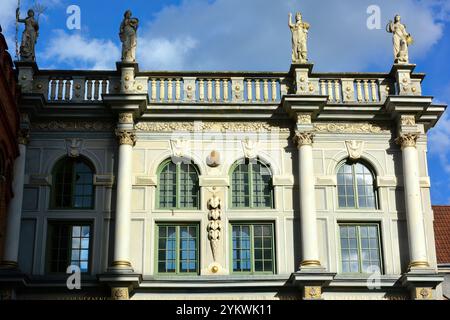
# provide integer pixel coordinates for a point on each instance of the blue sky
(253, 35)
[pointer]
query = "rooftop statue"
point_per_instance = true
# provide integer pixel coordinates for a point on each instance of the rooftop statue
(128, 36)
(401, 40)
(29, 36)
(299, 38)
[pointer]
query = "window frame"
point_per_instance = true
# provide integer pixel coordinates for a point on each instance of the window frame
(250, 184)
(358, 240)
(252, 248)
(177, 186)
(177, 225)
(352, 164)
(58, 166)
(71, 224)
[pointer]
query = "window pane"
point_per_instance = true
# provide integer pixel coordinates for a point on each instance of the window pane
(68, 246)
(189, 186)
(240, 186)
(177, 249)
(168, 186)
(261, 186)
(261, 259)
(364, 258)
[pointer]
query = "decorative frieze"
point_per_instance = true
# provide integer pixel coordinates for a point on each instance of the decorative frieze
(210, 126)
(407, 140)
(73, 126)
(351, 128)
(303, 138)
(126, 137)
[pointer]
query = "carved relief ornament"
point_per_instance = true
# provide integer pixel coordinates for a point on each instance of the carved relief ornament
(126, 137)
(354, 149)
(303, 138)
(407, 140)
(125, 118)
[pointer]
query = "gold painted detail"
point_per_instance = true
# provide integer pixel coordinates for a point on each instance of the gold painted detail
(303, 138)
(126, 137)
(121, 263)
(73, 126)
(419, 264)
(209, 126)
(423, 294)
(120, 294)
(125, 118)
(310, 263)
(407, 140)
(350, 128)
(9, 264)
(314, 292)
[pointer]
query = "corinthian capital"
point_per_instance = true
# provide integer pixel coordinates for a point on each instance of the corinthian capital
(407, 140)
(126, 137)
(303, 138)
(24, 136)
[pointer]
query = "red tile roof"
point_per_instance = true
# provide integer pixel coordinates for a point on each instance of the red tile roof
(442, 233)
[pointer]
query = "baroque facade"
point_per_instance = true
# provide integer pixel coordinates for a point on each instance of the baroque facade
(224, 185)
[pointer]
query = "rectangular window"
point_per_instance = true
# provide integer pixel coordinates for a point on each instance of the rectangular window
(68, 244)
(178, 249)
(253, 248)
(360, 248)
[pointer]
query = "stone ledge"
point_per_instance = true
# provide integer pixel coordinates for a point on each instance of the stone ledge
(146, 181)
(214, 181)
(283, 180)
(104, 180)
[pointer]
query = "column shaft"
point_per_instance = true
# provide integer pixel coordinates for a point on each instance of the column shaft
(14, 218)
(308, 220)
(415, 222)
(122, 221)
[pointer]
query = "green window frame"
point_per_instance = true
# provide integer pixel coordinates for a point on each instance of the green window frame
(178, 186)
(69, 243)
(356, 187)
(73, 184)
(251, 185)
(252, 248)
(360, 248)
(177, 250)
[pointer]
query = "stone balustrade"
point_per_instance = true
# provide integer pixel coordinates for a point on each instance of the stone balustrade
(266, 88)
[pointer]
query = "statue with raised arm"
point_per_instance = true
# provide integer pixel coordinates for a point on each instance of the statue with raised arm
(401, 40)
(29, 36)
(128, 36)
(299, 31)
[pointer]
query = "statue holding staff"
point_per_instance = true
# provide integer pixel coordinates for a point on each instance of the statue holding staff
(128, 36)
(29, 36)
(401, 40)
(299, 38)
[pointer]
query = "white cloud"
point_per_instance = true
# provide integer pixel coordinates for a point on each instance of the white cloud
(253, 34)
(439, 138)
(81, 52)
(163, 53)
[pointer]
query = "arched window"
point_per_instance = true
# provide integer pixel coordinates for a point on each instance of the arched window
(73, 184)
(251, 185)
(355, 184)
(178, 186)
